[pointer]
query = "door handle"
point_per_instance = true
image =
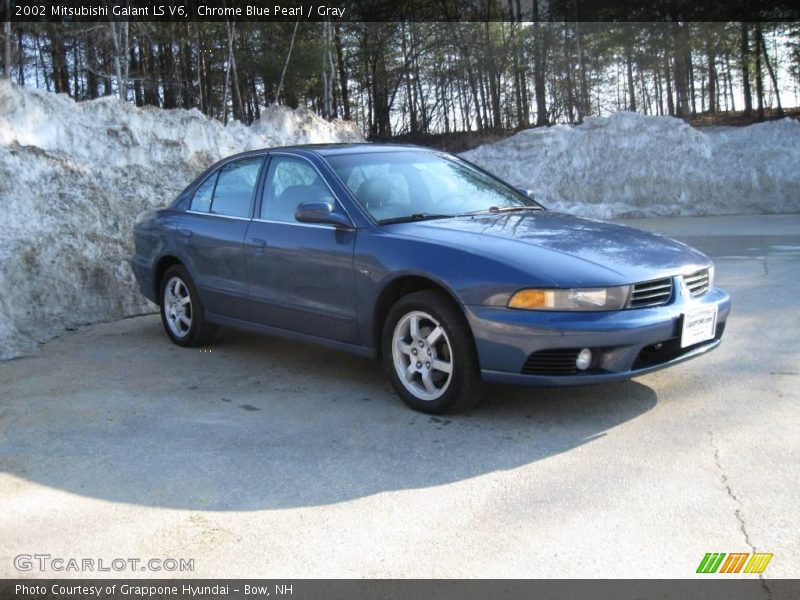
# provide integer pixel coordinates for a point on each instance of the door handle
(258, 245)
(187, 233)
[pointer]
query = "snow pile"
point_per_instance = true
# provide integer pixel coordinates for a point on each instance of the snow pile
(73, 177)
(631, 165)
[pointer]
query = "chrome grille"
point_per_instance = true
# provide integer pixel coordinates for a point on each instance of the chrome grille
(697, 283)
(651, 293)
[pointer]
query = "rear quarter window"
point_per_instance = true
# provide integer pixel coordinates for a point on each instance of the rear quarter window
(201, 201)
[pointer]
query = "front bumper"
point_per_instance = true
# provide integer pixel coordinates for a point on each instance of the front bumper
(626, 343)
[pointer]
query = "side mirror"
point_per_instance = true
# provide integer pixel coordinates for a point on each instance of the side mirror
(321, 212)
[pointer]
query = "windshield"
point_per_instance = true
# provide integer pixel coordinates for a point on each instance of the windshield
(402, 185)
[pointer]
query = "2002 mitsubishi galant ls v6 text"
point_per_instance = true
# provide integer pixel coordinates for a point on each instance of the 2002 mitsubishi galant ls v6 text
(450, 276)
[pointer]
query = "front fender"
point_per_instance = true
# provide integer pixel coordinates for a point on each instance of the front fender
(470, 277)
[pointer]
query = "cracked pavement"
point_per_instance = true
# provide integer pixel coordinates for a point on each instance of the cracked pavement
(264, 458)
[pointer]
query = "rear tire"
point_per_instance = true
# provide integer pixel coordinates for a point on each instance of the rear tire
(429, 354)
(182, 313)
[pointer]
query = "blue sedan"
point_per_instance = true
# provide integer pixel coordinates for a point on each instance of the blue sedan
(450, 276)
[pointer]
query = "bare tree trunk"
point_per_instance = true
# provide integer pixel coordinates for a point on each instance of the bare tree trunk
(91, 67)
(187, 75)
(147, 63)
(670, 101)
(584, 103)
(659, 91)
(748, 94)
(202, 76)
(419, 96)
(58, 62)
(411, 101)
(7, 40)
(539, 62)
(42, 63)
(137, 82)
(126, 44)
(494, 80)
(166, 68)
(20, 58)
(463, 106)
(226, 88)
(523, 78)
(729, 91)
(286, 63)
(690, 73)
(254, 97)
(119, 38)
(679, 65)
(712, 79)
(770, 70)
(568, 75)
(377, 37)
(238, 112)
(485, 100)
(326, 82)
(76, 68)
(647, 103)
(342, 73)
(515, 67)
(759, 81)
(328, 69)
(629, 71)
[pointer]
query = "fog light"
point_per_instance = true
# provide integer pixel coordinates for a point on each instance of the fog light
(584, 359)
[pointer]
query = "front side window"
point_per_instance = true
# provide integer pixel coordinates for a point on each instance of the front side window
(395, 185)
(235, 186)
(291, 181)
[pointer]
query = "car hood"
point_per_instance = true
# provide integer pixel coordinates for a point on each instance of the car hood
(564, 249)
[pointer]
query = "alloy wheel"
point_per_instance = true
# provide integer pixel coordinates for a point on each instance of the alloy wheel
(177, 307)
(422, 355)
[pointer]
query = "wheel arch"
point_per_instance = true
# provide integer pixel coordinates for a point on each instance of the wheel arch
(398, 287)
(164, 263)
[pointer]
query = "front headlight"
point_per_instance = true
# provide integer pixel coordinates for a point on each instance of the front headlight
(612, 298)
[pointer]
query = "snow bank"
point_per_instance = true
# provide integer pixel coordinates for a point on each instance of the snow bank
(73, 177)
(631, 165)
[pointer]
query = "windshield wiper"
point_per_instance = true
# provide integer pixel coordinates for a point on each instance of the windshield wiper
(501, 209)
(414, 217)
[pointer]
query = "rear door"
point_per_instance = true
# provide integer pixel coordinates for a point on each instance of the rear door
(301, 274)
(212, 231)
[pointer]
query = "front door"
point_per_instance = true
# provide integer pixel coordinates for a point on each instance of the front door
(300, 274)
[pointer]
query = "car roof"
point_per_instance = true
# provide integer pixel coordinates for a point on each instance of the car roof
(356, 148)
(334, 149)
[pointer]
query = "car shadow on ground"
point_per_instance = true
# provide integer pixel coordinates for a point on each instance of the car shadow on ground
(251, 423)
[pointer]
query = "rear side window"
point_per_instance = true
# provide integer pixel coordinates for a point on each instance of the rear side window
(201, 201)
(235, 187)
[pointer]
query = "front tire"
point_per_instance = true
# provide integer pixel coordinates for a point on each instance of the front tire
(181, 311)
(429, 354)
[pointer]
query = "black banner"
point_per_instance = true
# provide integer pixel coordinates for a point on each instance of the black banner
(402, 10)
(716, 587)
